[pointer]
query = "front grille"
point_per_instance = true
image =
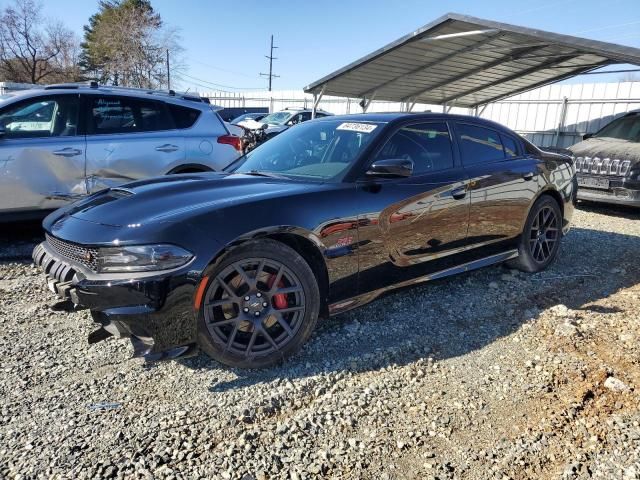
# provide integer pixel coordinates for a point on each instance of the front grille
(602, 166)
(84, 255)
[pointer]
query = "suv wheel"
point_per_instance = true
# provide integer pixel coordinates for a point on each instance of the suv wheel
(260, 306)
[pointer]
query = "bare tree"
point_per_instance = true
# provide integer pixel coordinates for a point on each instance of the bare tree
(34, 50)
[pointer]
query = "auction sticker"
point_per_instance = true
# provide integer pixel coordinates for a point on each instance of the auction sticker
(357, 127)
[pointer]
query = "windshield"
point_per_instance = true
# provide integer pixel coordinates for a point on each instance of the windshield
(624, 128)
(277, 118)
(321, 150)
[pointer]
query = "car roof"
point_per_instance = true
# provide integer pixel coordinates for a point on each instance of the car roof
(389, 117)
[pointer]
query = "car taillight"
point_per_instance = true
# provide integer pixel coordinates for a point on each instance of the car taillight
(235, 142)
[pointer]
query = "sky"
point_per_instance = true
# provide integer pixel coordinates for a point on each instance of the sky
(226, 42)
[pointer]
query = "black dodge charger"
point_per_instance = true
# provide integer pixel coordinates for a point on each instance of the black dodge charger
(321, 219)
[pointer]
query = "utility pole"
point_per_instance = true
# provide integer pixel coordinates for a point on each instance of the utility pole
(271, 59)
(168, 73)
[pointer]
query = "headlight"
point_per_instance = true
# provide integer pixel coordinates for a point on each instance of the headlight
(141, 258)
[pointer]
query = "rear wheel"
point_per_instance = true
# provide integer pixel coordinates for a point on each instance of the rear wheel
(540, 240)
(260, 306)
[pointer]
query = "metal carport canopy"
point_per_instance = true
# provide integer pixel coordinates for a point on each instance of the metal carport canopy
(464, 61)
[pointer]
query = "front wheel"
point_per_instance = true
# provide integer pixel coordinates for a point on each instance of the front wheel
(260, 306)
(540, 240)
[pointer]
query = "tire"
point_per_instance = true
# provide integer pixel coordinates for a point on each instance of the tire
(241, 323)
(537, 250)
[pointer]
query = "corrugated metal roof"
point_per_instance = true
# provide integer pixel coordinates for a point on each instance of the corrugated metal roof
(466, 61)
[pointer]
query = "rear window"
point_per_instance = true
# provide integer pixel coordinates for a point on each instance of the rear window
(183, 117)
(126, 115)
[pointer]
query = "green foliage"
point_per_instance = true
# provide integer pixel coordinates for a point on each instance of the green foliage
(125, 43)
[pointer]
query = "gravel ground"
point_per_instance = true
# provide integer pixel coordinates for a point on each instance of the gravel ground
(494, 374)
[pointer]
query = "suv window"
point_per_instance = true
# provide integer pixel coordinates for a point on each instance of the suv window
(427, 144)
(127, 115)
(479, 144)
(183, 117)
(41, 117)
(624, 128)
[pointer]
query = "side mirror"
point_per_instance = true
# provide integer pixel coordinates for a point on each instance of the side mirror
(587, 136)
(391, 168)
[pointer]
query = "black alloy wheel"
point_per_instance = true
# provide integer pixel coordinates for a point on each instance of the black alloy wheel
(259, 309)
(544, 233)
(540, 240)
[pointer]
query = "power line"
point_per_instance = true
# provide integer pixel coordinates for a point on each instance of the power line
(271, 58)
(218, 85)
(223, 69)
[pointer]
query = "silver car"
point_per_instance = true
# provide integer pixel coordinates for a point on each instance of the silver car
(62, 142)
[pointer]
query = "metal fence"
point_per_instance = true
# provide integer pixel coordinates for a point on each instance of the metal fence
(555, 115)
(6, 87)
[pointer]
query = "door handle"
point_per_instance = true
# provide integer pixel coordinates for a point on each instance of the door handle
(528, 176)
(167, 148)
(459, 193)
(67, 152)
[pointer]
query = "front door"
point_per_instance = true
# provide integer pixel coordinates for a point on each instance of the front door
(411, 221)
(129, 139)
(42, 153)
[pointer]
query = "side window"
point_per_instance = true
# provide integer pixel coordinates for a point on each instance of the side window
(183, 117)
(511, 149)
(427, 144)
(304, 116)
(479, 144)
(127, 115)
(41, 117)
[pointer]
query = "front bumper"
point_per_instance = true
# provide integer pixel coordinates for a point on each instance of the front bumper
(155, 312)
(617, 196)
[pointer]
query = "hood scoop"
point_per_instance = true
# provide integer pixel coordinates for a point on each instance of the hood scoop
(120, 192)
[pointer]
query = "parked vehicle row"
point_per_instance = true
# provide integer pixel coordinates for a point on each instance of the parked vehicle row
(321, 219)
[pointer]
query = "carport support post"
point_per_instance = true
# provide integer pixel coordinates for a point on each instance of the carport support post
(367, 102)
(561, 121)
(316, 101)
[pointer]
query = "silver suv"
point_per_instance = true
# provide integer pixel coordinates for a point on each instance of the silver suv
(61, 142)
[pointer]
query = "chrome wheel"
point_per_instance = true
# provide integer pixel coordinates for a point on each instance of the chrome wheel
(254, 307)
(544, 234)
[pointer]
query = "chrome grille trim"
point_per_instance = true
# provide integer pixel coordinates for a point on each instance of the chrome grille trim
(598, 166)
(83, 255)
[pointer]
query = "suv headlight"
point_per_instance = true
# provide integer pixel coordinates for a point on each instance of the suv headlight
(141, 258)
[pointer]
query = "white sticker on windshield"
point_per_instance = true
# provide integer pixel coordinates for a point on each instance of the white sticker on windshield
(357, 127)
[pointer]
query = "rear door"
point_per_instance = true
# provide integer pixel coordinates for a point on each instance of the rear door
(503, 181)
(129, 139)
(42, 153)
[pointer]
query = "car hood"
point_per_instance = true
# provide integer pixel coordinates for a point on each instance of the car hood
(176, 197)
(612, 148)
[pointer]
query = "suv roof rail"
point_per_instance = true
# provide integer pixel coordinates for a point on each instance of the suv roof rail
(149, 91)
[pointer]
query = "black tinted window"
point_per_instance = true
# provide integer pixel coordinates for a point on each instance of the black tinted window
(41, 117)
(428, 145)
(184, 117)
(127, 115)
(510, 146)
(478, 144)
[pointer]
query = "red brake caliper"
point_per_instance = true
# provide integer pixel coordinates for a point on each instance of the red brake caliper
(280, 299)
